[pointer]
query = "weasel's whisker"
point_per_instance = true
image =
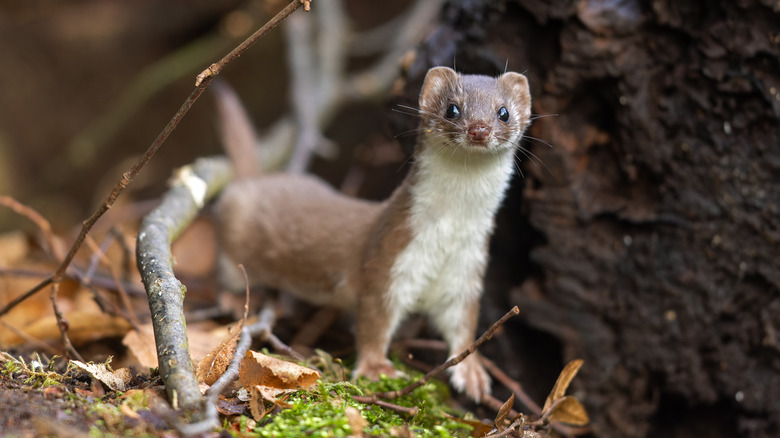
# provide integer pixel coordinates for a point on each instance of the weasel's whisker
(538, 140)
(542, 116)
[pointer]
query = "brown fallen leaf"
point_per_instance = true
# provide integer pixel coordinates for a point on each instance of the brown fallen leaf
(259, 369)
(215, 363)
(503, 412)
(569, 410)
(140, 343)
(266, 394)
(231, 406)
(562, 384)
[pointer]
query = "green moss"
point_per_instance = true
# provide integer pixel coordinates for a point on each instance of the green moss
(321, 412)
(38, 373)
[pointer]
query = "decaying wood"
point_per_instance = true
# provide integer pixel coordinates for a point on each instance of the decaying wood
(653, 237)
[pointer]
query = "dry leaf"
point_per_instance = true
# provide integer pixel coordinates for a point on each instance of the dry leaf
(83, 327)
(113, 379)
(141, 344)
(569, 410)
(215, 363)
(259, 369)
(263, 394)
(232, 406)
(562, 384)
(503, 412)
(257, 404)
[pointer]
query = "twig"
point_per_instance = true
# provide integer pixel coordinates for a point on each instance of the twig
(512, 385)
(381, 75)
(39, 221)
(39, 344)
(519, 423)
(495, 404)
(62, 324)
(98, 280)
(99, 254)
(265, 321)
(315, 76)
(262, 331)
(315, 326)
(452, 361)
(54, 247)
(425, 344)
(127, 259)
(214, 69)
(373, 400)
(246, 302)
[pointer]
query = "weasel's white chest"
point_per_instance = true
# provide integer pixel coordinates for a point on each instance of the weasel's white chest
(451, 220)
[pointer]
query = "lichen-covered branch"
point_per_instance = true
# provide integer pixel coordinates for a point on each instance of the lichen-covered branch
(193, 185)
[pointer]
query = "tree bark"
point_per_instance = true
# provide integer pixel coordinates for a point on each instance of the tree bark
(658, 205)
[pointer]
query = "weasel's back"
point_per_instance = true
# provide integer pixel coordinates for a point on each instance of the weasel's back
(296, 233)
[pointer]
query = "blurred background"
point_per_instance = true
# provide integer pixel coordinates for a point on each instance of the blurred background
(642, 236)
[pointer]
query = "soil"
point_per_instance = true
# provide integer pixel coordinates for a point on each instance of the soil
(30, 412)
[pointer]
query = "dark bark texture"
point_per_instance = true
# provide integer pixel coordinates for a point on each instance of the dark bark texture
(657, 211)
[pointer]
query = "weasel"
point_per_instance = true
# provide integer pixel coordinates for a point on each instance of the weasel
(424, 249)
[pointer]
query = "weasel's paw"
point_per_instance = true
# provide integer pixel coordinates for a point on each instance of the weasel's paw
(373, 370)
(470, 377)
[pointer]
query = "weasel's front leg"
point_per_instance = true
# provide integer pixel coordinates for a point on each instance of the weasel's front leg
(376, 322)
(457, 323)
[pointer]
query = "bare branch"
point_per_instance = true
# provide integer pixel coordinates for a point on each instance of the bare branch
(373, 400)
(214, 69)
(512, 385)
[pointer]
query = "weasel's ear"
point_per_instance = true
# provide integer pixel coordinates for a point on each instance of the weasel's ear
(517, 86)
(437, 81)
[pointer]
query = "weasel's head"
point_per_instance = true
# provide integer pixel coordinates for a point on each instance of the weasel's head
(474, 113)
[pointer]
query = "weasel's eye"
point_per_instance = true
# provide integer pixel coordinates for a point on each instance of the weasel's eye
(452, 111)
(503, 114)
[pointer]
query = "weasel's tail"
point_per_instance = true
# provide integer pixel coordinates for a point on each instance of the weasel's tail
(236, 131)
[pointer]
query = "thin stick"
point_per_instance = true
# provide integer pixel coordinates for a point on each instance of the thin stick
(98, 280)
(515, 425)
(62, 324)
(373, 400)
(202, 82)
(100, 254)
(36, 218)
(216, 68)
(29, 339)
(512, 385)
(453, 361)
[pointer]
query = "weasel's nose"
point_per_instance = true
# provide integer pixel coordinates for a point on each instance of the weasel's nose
(479, 132)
